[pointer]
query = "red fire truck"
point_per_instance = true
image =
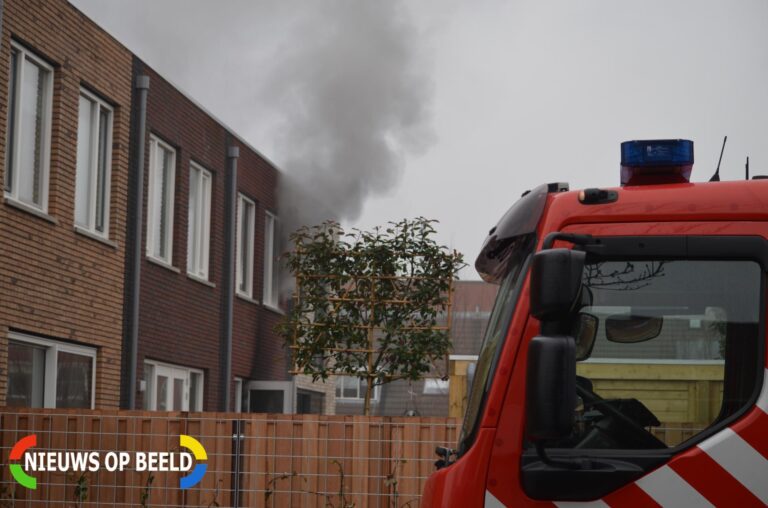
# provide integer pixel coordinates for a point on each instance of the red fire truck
(624, 362)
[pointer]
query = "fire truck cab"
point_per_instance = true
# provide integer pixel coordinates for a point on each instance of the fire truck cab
(624, 362)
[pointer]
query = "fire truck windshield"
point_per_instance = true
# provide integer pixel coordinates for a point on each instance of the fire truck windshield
(517, 265)
(646, 328)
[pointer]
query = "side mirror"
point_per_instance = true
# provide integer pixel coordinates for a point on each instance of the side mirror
(555, 282)
(550, 391)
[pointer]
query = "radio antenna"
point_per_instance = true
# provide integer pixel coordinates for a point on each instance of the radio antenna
(716, 176)
(746, 167)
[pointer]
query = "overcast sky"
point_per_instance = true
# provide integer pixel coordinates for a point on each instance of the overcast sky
(450, 110)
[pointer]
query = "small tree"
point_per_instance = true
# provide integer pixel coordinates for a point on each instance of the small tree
(367, 303)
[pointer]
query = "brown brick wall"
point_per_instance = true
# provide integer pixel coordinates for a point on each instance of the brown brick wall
(258, 352)
(53, 281)
(180, 318)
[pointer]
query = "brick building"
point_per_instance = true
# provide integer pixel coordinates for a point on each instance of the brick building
(114, 294)
(180, 298)
(183, 295)
(64, 125)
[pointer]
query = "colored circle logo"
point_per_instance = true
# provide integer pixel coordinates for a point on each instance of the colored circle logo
(198, 452)
(17, 452)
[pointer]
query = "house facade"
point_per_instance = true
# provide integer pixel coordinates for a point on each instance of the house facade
(138, 235)
(182, 248)
(65, 112)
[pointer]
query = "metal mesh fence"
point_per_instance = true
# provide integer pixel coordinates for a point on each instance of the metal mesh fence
(252, 459)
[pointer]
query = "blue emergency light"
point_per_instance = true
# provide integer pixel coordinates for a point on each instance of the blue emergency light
(656, 161)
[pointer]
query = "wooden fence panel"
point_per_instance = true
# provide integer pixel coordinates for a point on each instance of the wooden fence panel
(255, 464)
(284, 460)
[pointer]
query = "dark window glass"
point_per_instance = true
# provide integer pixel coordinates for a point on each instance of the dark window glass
(266, 401)
(309, 402)
(101, 169)
(11, 120)
(178, 394)
(74, 377)
(26, 375)
(194, 388)
(165, 193)
(246, 246)
(161, 394)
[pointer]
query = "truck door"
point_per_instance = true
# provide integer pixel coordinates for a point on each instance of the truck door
(670, 362)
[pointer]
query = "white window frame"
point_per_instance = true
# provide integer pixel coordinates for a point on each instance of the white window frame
(360, 393)
(241, 201)
(52, 349)
(150, 392)
(202, 221)
(287, 387)
(155, 147)
(12, 194)
(94, 167)
(270, 296)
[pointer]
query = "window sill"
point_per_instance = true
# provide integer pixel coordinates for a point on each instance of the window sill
(94, 236)
(246, 298)
(274, 309)
(201, 280)
(164, 264)
(30, 209)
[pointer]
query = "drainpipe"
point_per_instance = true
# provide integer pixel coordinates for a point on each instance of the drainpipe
(228, 285)
(142, 88)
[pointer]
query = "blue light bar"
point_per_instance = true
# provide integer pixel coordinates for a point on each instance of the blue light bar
(656, 161)
(659, 152)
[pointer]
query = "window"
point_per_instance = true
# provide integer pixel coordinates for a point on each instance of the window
(435, 386)
(29, 129)
(667, 349)
(269, 397)
(267, 401)
(239, 395)
(172, 387)
(198, 233)
(246, 213)
(271, 277)
(309, 402)
(162, 171)
(195, 390)
(519, 252)
(353, 388)
(94, 155)
(149, 375)
(46, 373)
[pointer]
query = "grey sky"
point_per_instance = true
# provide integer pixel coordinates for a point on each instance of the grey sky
(475, 102)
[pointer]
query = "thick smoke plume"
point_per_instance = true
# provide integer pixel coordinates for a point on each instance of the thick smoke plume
(352, 100)
(335, 92)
